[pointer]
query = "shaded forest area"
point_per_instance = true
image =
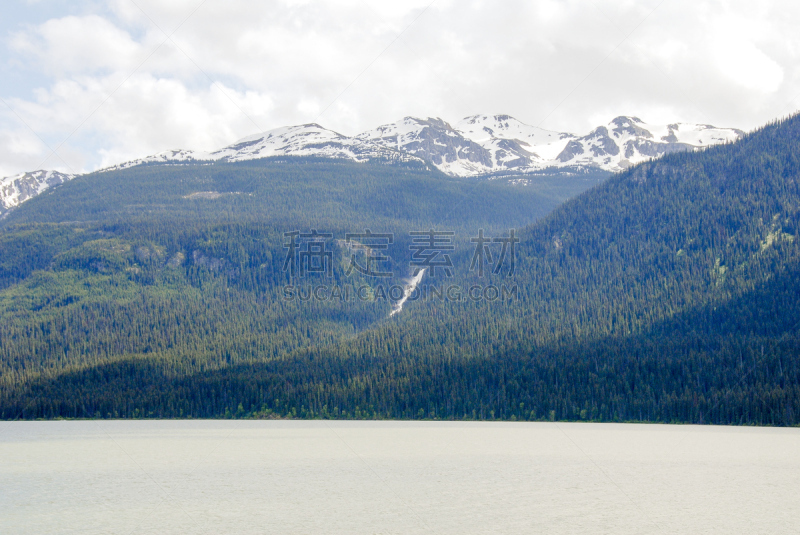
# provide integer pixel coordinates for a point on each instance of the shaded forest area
(668, 293)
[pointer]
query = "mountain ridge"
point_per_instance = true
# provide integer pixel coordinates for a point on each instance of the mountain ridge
(478, 145)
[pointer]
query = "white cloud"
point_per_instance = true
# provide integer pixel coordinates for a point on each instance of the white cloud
(738, 57)
(77, 45)
(146, 114)
(567, 65)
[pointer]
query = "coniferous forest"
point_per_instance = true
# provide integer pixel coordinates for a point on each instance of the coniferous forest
(665, 293)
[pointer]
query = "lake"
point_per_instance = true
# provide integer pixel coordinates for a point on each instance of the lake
(242, 477)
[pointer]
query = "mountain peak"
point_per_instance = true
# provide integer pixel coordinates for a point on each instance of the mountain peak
(476, 145)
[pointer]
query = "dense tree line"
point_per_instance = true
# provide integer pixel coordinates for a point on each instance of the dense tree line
(668, 293)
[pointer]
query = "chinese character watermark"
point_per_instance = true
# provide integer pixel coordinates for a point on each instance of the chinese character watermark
(307, 253)
(483, 255)
(369, 256)
(428, 251)
(371, 245)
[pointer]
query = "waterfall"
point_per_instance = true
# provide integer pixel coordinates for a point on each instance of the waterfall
(410, 286)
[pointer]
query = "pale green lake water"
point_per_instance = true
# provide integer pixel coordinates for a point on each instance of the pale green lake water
(242, 477)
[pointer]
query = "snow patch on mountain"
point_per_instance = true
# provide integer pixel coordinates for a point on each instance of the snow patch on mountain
(17, 189)
(434, 140)
(495, 129)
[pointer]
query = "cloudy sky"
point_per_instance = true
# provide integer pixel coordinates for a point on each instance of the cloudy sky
(88, 83)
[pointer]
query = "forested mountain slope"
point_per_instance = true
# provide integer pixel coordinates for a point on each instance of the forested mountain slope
(185, 266)
(667, 293)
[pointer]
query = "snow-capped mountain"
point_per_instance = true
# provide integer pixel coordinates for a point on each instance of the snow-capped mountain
(19, 188)
(626, 141)
(506, 136)
(433, 140)
(476, 145)
(303, 140)
(483, 144)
